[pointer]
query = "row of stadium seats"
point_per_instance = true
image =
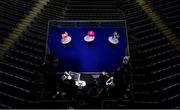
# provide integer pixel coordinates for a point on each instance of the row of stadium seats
(169, 12)
(11, 14)
(89, 10)
(30, 47)
(17, 82)
(161, 70)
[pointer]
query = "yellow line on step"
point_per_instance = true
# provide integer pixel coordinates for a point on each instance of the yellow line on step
(168, 33)
(12, 37)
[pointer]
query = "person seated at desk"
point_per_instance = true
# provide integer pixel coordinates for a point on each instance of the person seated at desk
(65, 87)
(103, 86)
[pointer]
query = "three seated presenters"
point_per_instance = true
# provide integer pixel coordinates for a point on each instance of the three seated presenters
(113, 39)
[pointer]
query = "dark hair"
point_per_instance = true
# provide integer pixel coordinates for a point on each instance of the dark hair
(63, 32)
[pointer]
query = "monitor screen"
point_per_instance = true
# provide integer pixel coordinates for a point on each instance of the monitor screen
(87, 46)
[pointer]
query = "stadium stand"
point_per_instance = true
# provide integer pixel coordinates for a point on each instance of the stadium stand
(153, 28)
(159, 65)
(168, 12)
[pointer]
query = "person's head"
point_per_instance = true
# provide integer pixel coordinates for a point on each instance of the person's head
(64, 34)
(116, 35)
(108, 74)
(103, 73)
(91, 33)
(126, 60)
